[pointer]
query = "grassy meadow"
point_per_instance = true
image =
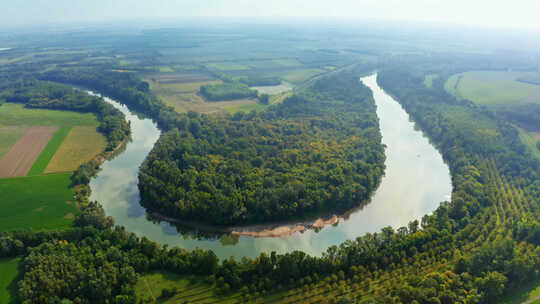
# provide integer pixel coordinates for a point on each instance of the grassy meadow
(493, 88)
(43, 202)
(10, 275)
(12, 114)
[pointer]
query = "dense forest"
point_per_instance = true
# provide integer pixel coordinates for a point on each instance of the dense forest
(318, 150)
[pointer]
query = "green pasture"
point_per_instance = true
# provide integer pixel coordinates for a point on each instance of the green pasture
(248, 107)
(43, 202)
(17, 115)
(493, 88)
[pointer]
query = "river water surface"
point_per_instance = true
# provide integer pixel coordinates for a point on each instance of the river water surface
(416, 180)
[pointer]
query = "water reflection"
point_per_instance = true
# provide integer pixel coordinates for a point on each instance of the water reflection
(416, 180)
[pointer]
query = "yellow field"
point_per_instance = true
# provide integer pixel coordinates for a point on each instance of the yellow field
(80, 145)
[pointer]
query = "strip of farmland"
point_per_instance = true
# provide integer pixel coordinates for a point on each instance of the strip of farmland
(19, 159)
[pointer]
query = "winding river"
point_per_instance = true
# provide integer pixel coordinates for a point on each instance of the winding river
(416, 180)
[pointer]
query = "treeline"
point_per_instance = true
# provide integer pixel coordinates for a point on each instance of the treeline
(46, 95)
(316, 151)
(227, 91)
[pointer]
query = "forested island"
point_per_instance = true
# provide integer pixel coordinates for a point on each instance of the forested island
(319, 150)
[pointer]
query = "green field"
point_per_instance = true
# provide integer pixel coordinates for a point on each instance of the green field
(246, 107)
(17, 115)
(493, 88)
(48, 152)
(8, 279)
(42, 202)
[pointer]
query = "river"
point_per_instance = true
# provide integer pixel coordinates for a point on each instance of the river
(416, 180)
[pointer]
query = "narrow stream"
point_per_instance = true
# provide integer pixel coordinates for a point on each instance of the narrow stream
(415, 182)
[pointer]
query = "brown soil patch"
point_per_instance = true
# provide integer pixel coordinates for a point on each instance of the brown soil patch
(69, 216)
(68, 202)
(20, 158)
(39, 209)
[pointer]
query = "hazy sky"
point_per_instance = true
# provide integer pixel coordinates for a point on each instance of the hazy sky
(487, 13)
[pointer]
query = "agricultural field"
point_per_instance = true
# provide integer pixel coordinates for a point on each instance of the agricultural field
(493, 88)
(81, 144)
(49, 151)
(8, 279)
(22, 155)
(181, 91)
(43, 202)
(33, 136)
(12, 114)
(9, 136)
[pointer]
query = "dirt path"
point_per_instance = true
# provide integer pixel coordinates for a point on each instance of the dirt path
(20, 158)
